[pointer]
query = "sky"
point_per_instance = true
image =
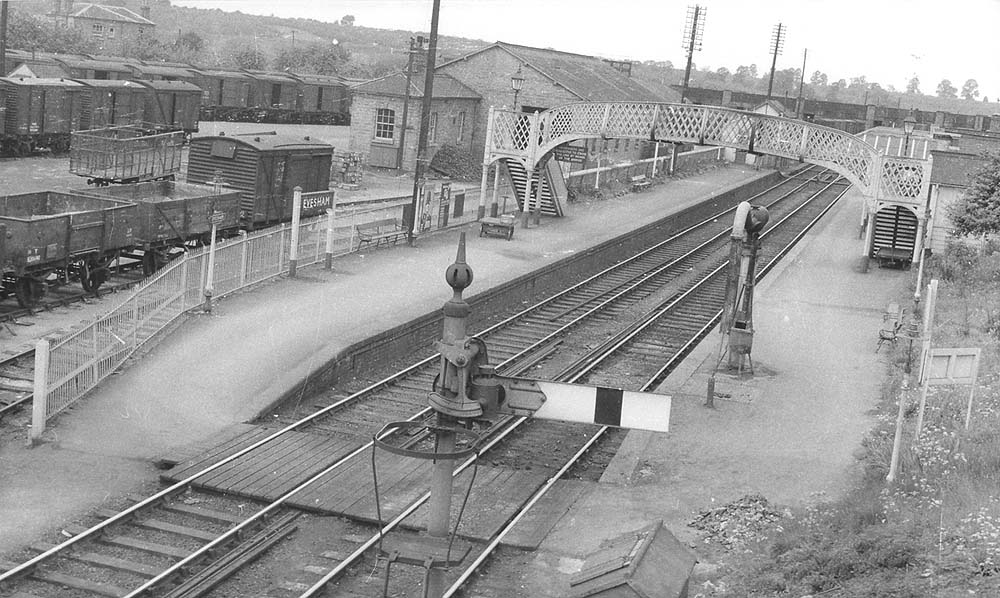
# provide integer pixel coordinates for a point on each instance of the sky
(887, 41)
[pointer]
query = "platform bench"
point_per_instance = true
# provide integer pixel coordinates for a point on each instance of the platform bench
(387, 229)
(497, 227)
(893, 256)
(639, 182)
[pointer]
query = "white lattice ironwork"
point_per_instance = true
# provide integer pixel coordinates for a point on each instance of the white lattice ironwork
(528, 137)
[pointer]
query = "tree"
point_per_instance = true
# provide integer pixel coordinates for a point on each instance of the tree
(913, 85)
(723, 73)
(818, 78)
(977, 212)
(858, 83)
(946, 90)
(244, 55)
(26, 31)
(316, 58)
(970, 90)
(347, 20)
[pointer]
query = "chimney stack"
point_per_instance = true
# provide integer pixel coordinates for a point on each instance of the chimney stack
(144, 10)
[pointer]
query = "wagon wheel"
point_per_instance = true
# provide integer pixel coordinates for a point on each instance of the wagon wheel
(28, 291)
(92, 276)
(153, 260)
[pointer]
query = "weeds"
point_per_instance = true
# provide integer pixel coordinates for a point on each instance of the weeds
(935, 531)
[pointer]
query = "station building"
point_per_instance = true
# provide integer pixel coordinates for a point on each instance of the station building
(464, 90)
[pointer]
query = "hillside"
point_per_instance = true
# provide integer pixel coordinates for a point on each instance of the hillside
(214, 38)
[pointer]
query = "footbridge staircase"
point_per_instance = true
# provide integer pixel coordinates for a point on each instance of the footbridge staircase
(896, 184)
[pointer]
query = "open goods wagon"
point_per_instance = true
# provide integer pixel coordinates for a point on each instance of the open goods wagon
(170, 214)
(49, 235)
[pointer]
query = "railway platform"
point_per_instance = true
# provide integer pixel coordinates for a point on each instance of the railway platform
(218, 370)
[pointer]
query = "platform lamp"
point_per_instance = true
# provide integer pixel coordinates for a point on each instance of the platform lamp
(909, 123)
(516, 83)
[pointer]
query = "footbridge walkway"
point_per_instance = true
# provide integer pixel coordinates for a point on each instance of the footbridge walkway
(894, 186)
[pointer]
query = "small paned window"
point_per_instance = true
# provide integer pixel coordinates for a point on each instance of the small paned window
(98, 30)
(385, 124)
(432, 129)
(461, 126)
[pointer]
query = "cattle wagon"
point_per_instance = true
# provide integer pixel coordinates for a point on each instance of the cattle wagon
(125, 155)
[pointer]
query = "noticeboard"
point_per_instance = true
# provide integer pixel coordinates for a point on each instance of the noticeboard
(951, 366)
(570, 153)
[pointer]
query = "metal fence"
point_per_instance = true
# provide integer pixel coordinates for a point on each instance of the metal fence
(65, 370)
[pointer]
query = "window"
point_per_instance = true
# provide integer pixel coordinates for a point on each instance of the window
(98, 30)
(432, 128)
(111, 31)
(385, 124)
(461, 125)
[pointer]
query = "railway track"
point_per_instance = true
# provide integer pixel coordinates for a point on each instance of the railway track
(529, 343)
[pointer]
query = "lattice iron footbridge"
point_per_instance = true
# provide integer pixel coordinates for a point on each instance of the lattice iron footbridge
(523, 142)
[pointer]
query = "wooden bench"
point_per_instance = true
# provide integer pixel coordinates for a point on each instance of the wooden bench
(497, 227)
(639, 182)
(387, 229)
(893, 256)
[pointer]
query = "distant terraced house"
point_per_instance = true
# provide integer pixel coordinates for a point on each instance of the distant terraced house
(115, 28)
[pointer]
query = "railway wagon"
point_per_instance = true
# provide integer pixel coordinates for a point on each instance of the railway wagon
(265, 168)
(171, 105)
(171, 214)
(53, 233)
(41, 113)
(116, 102)
(230, 89)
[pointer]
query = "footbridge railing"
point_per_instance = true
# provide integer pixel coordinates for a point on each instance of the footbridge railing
(529, 137)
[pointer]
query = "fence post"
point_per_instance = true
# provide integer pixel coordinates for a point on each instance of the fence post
(244, 256)
(281, 248)
(210, 280)
(328, 264)
(656, 156)
(40, 398)
(293, 253)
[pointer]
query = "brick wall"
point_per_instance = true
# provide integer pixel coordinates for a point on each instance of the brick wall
(488, 73)
(449, 119)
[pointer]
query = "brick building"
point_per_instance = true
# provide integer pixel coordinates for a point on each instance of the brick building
(478, 80)
(116, 29)
(385, 125)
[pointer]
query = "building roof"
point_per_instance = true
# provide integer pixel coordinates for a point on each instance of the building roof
(445, 86)
(589, 78)
(95, 65)
(955, 169)
(265, 142)
(105, 12)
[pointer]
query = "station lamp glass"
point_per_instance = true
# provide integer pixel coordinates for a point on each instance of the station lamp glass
(516, 82)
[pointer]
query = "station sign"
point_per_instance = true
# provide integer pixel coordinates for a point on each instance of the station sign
(316, 202)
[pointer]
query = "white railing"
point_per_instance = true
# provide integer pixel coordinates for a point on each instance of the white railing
(529, 137)
(65, 370)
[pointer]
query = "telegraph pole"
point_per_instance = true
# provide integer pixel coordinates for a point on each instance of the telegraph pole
(3, 38)
(694, 30)
(416, 47)
(800, 109)
(777, 40)
(425, 115)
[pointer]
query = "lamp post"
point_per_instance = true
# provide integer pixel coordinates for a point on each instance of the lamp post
(516, 82)
(909, 123)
